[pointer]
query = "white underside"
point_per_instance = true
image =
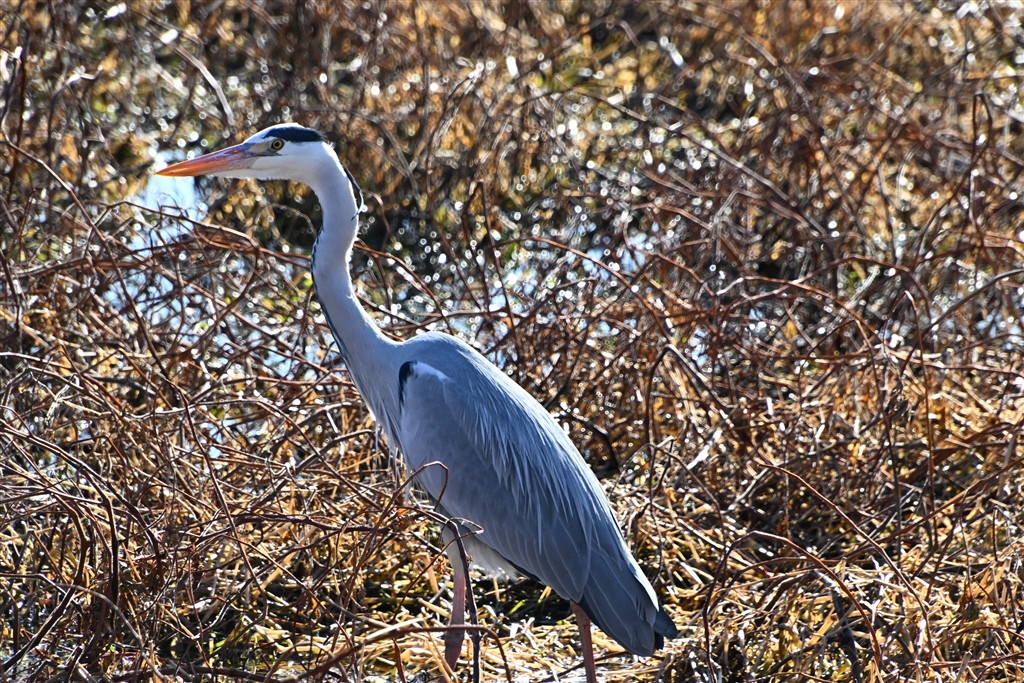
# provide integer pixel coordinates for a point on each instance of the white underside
(482, 557)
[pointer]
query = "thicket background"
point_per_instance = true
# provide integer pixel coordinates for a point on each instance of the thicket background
(763, 260)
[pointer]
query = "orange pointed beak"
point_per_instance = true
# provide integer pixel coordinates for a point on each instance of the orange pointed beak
(230, 159)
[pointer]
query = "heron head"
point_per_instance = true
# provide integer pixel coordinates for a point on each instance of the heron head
(283, 151)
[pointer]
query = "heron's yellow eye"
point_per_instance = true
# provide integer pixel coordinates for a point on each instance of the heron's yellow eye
(277, 145)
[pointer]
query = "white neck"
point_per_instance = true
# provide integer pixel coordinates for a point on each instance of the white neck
(367, 352)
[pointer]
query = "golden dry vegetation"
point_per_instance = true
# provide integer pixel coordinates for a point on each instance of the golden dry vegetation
(764, 261)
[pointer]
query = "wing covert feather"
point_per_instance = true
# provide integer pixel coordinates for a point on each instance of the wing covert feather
(535, 501)
(501, 461)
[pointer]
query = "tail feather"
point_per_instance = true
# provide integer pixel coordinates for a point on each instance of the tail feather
(664, 628)
(621, 606)
(609, 605)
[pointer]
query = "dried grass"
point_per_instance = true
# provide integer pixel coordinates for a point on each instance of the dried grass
(763, 261)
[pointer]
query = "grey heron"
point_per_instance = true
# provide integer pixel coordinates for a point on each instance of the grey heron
(485, 450)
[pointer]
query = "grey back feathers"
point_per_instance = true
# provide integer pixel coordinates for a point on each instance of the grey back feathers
(508, 466)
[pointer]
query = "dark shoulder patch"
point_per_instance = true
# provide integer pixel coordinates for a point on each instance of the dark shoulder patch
(292, 133)
(403, 376)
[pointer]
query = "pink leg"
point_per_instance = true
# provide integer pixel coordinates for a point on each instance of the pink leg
(453, 639)
(583, 622)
